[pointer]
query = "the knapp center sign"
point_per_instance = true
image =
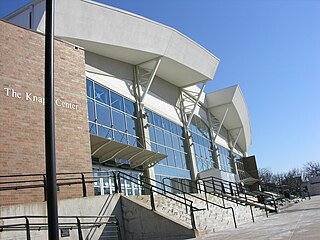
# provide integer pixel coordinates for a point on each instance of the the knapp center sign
(30, 97)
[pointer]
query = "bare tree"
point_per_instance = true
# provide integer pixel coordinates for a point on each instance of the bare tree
(266, 176)
(311, 169)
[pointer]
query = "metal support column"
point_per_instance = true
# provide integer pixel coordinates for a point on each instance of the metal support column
(52, 205)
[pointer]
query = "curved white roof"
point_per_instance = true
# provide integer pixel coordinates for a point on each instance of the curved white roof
(134, 39)
(237, 116)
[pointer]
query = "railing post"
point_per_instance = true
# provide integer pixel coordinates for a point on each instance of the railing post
(119, 183)
(185, 201)
(265, 208)
(193, 222)
(153, 207)
(234, 218)
(79, 229)
(231, 189)
(205, 194)
(28, 228)
(198, 184)
(44, 186)
(213, 185)
(222, 188)
(116, 189)
(251, 213)
(164, 187)
(275, 204)
(84, 188)
(237, 188)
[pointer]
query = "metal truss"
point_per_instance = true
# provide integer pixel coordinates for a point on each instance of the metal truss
(233, 137)
(146, 72)
(190, 100)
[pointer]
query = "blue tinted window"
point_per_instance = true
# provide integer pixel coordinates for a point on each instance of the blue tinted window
(163, 151)
(120, 137)
(174, 127)
(133, 141)
(116, 101)
(159, 134)
(157, 120)
(180, 131)
(183, 160)
(152, 134)
(89, 88)
(101, 94)
(178, 159)
(166, 124)
(181, 143)
(91, 114)
(175, 142)
(118, 120)
(103, 115)
(149, 116)
(131, 125)
(92, 129)
(168, 139)
(154, 147)
(170, 154)
(130, 107)
(105, 132)
(166, 133)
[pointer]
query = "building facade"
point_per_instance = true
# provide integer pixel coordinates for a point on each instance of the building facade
(129, 96)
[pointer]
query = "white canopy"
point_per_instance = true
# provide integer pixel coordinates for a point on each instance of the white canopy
(229, 105)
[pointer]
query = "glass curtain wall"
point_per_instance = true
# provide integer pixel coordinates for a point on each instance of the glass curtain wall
(226, 159)
(167, 137)
(202, 145)
(111, 115)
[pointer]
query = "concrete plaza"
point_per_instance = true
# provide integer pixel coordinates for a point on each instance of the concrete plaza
(298, 222)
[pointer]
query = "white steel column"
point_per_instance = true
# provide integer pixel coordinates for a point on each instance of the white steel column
(195, 104)
(145, 76)
(191, 160)
(212, 135)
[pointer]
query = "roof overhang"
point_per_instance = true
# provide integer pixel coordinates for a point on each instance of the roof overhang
(133, 39)
(237, 117)
(249, 181)
(108, 150)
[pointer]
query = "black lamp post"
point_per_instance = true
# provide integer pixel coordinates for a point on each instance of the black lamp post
(52, 206)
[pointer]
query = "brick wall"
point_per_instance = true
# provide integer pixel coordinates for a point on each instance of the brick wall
(22, 113)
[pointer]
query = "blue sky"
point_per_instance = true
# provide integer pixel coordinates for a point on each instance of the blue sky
(271, 49)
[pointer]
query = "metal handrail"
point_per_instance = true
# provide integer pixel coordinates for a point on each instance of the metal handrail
(79, 225)
(158, 191)
(199, 198)
(239, 198)
(31, 183)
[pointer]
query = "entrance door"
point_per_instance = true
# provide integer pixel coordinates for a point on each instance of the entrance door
(105, 182)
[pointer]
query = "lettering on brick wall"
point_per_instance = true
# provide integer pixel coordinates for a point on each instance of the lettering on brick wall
(30, 97)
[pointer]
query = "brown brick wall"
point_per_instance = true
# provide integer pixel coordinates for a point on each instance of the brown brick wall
(22, 120)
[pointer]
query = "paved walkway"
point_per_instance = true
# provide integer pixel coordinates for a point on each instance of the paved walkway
(298, 222)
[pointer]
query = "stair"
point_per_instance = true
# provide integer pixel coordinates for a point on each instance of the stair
(208, 220)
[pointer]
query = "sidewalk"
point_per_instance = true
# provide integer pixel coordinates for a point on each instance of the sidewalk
(298, 222)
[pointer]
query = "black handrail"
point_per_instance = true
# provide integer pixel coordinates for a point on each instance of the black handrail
(40, 181)
(199, 198)
(158, 190)
(80, 223)
(238, 197)
(239, 189)
(194, 196)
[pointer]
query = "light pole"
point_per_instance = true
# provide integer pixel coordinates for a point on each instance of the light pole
(52, 206)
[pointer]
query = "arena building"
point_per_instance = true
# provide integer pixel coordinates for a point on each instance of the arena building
(129, 95)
